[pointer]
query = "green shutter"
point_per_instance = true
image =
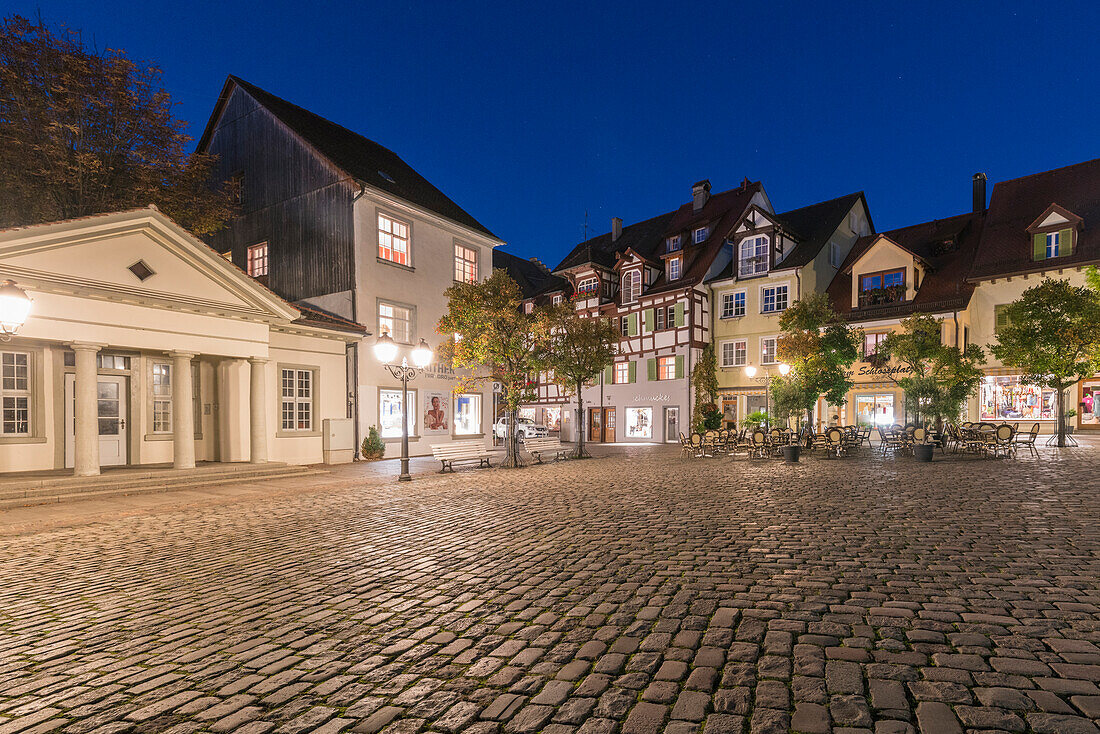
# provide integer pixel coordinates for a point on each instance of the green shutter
(1065, 244)
(651, 369)
(648, 319)
(1039, 247)
(632, 371)
(679, 366)
(680, 313)
(632, 324)
(607, 375)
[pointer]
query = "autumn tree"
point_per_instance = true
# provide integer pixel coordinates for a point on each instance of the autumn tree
(1052, 335)
(937, 378)
(820, 347)
(84, 132)
(494, 339)
(576, 349)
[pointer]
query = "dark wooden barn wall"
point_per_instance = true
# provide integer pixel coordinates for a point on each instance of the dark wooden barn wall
(291, 199)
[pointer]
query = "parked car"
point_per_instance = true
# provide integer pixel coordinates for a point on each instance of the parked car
(527, 428)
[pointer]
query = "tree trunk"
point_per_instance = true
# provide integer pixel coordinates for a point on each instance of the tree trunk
(580, 452)
(1060, 401)
(511, 442)
(809, 428)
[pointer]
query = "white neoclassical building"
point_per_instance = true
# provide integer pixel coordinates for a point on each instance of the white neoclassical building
(144, 346)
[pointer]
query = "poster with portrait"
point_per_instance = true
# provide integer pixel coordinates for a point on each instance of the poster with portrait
(437, 412)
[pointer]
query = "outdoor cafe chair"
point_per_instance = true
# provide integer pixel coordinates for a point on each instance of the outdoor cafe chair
(1029, 440)
(889, 440)
(760, 446)
(1005, 444)
(698, 446)
(685, 445)
(834, 442)
(865, 436)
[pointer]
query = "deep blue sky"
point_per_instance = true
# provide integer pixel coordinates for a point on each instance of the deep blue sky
(529, 114)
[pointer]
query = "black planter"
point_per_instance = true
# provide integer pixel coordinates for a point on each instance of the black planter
(924, 451)
(791, 454)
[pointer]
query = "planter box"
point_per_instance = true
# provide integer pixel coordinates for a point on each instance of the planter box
(924, 451)
(791, 453)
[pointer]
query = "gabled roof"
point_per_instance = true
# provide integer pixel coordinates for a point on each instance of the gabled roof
(644, 236)
(533, 278)
(813, 225)
(944, 287)
(1066, 215)
(361, 158)
(1005, 247)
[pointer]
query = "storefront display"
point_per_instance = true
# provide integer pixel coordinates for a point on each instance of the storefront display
(389, 410)
(875, 410)
(1089, 409)
(467, 415)
(639, 422)
(553, 419)
(1005, 397)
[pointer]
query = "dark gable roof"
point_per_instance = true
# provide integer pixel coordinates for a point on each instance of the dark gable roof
(363, 159)
(813, 225)
(533, 279)
(313, 316)
(643, 236)
(1005, 247)
(944, 287)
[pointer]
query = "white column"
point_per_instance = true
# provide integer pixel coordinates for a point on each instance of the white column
(86, 450)
(183, 415)
(257, 408)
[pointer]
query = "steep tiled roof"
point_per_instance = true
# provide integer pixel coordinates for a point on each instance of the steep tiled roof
(361, 158)
(813, 225)
(1005, 247)
(313, 316)
(533, 278)
(944, 287)
(644, 237)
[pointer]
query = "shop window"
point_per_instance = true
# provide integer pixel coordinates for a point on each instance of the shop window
(1089, 410)
(875, 410)
(639, 422)
(467, 415)
(390, 412)
(1006, 397)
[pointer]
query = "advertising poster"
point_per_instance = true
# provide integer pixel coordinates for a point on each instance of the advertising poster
(437, 412)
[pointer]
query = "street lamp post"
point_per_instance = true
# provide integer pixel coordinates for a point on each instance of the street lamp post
(385, 349)
(15, 307)
(766, 380)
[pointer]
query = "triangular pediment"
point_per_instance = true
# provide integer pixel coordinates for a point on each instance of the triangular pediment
(754, 219)
(1053, 217)
(140, 257)
(883, 251)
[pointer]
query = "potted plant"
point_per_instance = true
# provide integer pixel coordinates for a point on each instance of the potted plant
(791, 453)
(924, 451)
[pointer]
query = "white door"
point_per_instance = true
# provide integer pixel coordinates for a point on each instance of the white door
(112, 407)
(672, 425)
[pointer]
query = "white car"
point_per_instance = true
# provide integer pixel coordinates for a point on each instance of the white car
(527, 428)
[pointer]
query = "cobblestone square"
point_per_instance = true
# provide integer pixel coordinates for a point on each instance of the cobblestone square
(638, 592)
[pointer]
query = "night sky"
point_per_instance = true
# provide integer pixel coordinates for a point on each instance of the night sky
(530, 114)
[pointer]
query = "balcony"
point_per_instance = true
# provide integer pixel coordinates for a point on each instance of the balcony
(748, 267)
(891, 294)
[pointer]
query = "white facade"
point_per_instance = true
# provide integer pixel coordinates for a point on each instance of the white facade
(144, 346)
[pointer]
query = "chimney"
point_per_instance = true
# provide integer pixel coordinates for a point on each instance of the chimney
(616, 228)
(700, 192)
(979, 193)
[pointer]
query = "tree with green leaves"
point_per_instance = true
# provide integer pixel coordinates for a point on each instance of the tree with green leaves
(494, 339)
(1052, 335)
(576, 349)
(1092, 275)
(937, 378)
(704, 380)
(84, 132)
(820, 347)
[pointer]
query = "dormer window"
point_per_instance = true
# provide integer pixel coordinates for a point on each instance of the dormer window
(632, 286)
(881, 288)
(673, 244)
(674, 268)
(588, 285)
(753, 258)
(700, 234)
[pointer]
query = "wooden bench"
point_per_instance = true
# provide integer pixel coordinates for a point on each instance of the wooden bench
(462, 452)
(539, 446)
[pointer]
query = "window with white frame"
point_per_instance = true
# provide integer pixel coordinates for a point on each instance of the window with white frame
(753, 258)
(767, 350)
(556, 300)
(588, 285)
(700, 234)
(632, 286)
(734, 353)
(467, 414)
(257, 260)
(162, 397)
(672, 244)
(15, 393)
(621, 374)
(297, 399)
(624, 325)
(674, 268)
(465, 264)
(1054, 242)
(665, 317)
(773, 299)
(871, 344)
(396, 321)
(393, 240)
(390, 412)
(666, 368)
(733, 304)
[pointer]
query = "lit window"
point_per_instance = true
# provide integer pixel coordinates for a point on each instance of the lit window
(622, 373)
(162, 397)
(393, 240)
(390, 412)
(632, 286)
(588, 285)
(754, 256)
(733, 304)
(674, 269)
(467, 415)
(465, 264)
(734, 353)
(257, 260)
(871, 344)
(1054, 240)
(395, 321)
(767, 350)
(700, 234)
(773, 299)
(666, 368)
(297, 400)
(15, 391)
(877, 289)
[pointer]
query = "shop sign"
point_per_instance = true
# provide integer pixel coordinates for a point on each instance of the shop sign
(658, 398)
(872, 371)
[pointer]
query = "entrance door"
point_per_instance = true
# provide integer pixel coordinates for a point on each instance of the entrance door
(609, 425)
(112, 407)
(595, 425)
(672, 425)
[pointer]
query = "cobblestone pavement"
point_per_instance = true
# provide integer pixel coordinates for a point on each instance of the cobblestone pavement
(636, 593)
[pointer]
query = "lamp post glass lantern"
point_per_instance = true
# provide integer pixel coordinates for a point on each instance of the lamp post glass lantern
(766, 380)
(15, 307)
(385, 350)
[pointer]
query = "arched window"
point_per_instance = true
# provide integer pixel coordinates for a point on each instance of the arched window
(632, 286)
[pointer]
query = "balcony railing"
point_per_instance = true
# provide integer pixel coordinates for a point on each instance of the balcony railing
(881, 296)
(757, 265)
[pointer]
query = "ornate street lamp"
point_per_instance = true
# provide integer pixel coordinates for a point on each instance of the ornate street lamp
(385, 350)
(766, 380)
(15, 306)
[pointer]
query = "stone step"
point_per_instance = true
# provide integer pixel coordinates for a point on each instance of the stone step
(108, 486)
(34, 481)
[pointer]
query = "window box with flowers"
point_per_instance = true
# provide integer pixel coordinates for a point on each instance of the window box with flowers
(882, 296)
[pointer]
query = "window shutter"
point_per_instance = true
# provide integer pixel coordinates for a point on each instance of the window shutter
(607, 375)
(648, 316)
(632, 371)
(1065, 245)
(651, 369)
(680, 313)
(1039, 246)
(679, 366)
